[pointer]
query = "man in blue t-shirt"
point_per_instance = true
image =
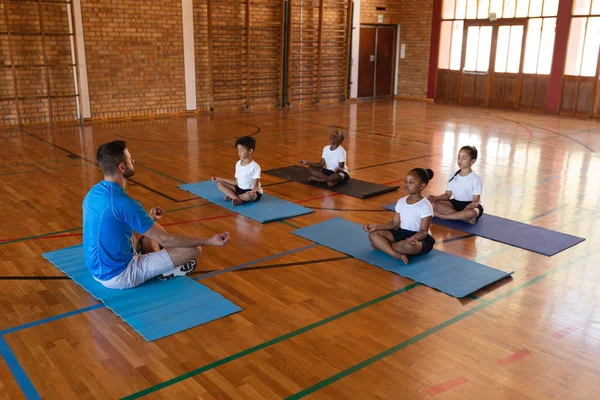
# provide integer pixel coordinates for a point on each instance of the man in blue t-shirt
(117, 257)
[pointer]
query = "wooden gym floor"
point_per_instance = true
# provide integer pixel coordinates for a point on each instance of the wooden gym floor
(314, 322)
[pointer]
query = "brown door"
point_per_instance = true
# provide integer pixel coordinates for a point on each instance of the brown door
(376, 61)
(366, 61)
(384, 61)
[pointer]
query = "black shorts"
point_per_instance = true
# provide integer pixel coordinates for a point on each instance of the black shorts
(461, 205)
(239, 190)
(329, 172)
(403, 234)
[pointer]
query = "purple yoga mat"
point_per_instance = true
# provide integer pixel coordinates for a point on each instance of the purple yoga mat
(533, 238)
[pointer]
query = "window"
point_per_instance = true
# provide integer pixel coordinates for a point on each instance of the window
(539, 46)
(582, 7)
(583, 46)
(539, 43)
(535, 8)
(479, 42)
(451, 45)
(481, 9)
(456, 50)
(584, 39)
(508, 49)
(448, 9)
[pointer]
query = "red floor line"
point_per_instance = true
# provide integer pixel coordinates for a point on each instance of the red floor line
(564, 332)
(514, 357)
(456, 382)
(169, 224)
(59, 236)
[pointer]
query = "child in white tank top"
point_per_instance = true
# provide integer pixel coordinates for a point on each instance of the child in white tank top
(408, 232)
(462, 199)
(332, 169)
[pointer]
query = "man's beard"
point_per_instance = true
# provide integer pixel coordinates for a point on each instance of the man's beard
(129, 173)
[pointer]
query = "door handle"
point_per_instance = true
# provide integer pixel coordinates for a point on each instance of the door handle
(372, 58)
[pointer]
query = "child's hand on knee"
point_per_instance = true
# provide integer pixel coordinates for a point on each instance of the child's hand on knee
(412, 241)
(431, 198)
(370, 228)
(215, 178)
(303, 162)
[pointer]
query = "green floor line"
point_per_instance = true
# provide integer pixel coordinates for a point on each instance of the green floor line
(431, 331)
(39, 236)
(474, 297)
(283, 221)
(266, 344)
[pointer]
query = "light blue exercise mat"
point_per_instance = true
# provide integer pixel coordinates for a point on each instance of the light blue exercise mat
(450, 274)
(268, 208)
(528, 237)
(154, 309)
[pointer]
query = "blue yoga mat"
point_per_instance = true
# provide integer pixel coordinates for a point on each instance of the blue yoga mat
(268, 208)
(533, 238)
(450, 274)
(154, 309)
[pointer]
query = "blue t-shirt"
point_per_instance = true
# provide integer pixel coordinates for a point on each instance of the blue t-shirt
(109, 218)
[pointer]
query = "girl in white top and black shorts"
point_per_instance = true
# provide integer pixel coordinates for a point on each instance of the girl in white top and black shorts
(408, 232)
(332, 169)
(462, 200)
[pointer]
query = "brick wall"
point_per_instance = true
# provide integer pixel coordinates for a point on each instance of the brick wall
(30, 71)
(134, 54)
(201, 54)
(415, 33)
(265, 52)
(414, 17)
(135, 64)
(304, 51)
(334, 59)
(391, 15)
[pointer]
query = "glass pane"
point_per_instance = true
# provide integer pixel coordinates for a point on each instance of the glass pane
(550, 8)
(581, 7)
(514, 49)
(483, 9)
(522, 8)
(472, 47)
(575, 46)
(535, 8)
(445, 39)
(509, 9)
(596, 7)
(502, 49)
(471, 9)
(448, 9)
(484, 48)
(532, 45)
(590, 50)
(456, 50)
(461, 9)
(546, 46)
(496, 7)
